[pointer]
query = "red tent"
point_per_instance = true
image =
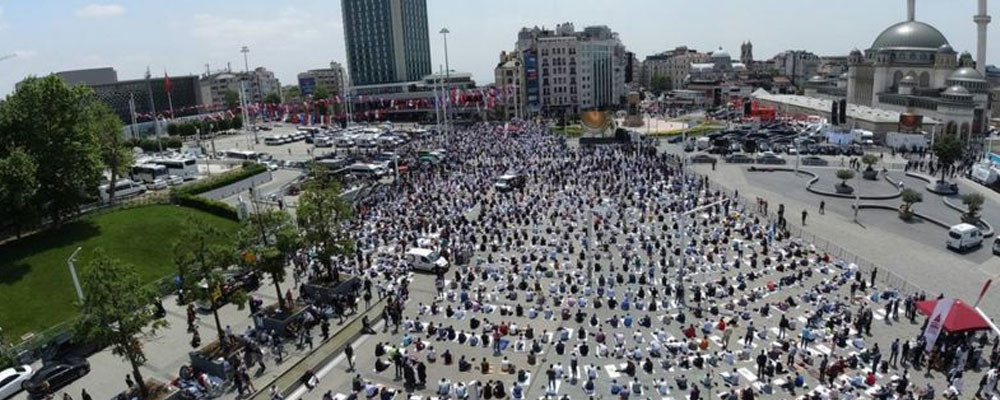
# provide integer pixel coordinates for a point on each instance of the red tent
(961, 318)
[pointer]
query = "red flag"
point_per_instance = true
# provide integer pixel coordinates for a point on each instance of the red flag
(166, 82)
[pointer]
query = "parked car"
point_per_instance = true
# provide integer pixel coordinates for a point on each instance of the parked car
(813, 160)
(11, 380)
(55, 376)
(739, 158)
(770, 158)
(964, 236)
(702, 158)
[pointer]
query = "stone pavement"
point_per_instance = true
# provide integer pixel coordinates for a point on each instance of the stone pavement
(924, 266)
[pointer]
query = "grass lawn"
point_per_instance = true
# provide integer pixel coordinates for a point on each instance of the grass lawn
(36, 290)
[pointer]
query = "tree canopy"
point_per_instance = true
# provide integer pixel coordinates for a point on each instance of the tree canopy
(117, 309)
(60, 128)
(322, 215)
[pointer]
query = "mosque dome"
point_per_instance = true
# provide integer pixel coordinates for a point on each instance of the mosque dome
(957, 93)
(908, 80)
(966, 74)
(946, 49)
(720, 54)
(910, 35)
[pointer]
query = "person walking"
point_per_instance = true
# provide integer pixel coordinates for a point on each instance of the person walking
(822, 207)
(894, 352)
(804, 215)
(349, 354)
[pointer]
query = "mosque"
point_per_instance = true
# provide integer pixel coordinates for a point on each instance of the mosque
(911, 70)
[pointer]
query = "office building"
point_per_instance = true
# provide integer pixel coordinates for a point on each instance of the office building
(331, 79)
(255, 86)
(184, 94)
(386, 40)
(508, 77)
(567, 71)
(667, 70)
(798, 65)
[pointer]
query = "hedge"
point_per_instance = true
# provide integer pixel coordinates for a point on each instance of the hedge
(188, 195)
(213, 207)
(227, 178)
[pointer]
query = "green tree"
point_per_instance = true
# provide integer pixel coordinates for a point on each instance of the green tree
(268, 240)
(660, 84)
(18, 186)
(237, 123)
(869, 160)
(910, 197)
(321, 92)
(115, 151)
(202, 255)
(232, 98)
(947, 149)
(292, 93)
(322, 214)
(54, 123)
(117, 309)
(844, 175)
(273, 98)
(974, 202)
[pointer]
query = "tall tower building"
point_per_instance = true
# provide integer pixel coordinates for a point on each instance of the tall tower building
(982, 20)
(386, 40)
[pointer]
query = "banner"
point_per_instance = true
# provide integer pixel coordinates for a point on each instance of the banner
(936, 322)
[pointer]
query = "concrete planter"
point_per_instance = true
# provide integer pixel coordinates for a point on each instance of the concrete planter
(943, 188)
(271, 318)
(843, 189)
(325, 292)
(870, 174)
(210, 358)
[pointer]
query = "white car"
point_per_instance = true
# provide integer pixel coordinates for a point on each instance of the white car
(157, 184)
(12, 378)
(174, 180)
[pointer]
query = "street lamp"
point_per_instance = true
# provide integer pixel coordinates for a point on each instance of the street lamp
(72, 271)
(447, 74)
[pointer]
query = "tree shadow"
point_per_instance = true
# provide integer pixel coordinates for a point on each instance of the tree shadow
(12, 267)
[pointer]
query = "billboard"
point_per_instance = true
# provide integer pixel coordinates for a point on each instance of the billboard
(910, 123)
(531, 80)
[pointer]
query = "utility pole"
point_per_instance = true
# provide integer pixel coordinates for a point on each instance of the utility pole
(246, 68)
(71, 261)
(447, 75)
(152, 110)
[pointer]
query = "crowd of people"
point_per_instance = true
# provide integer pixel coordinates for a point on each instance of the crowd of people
(628, 277)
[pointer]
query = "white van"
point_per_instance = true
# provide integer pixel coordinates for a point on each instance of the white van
(426, 260)
(964, 236)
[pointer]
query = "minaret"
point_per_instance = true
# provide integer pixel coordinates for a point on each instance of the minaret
(911, 13)
(981, 20)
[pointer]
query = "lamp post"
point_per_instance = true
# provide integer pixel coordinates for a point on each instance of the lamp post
(447, 74)
(72, 271)
(246, 116)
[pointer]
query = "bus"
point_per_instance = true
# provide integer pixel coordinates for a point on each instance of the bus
(149, 173)
(185, 168)
(124, 188)
(246, 155)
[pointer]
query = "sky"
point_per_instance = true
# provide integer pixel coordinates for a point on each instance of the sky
(291, 36)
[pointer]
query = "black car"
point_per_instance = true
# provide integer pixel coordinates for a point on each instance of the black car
(56, 375)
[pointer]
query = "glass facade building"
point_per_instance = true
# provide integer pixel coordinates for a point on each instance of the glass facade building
(386, 40)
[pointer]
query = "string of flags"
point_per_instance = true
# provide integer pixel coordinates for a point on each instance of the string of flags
(325, 111)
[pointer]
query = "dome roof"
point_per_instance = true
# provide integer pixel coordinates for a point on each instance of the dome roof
(966, 74)
(909, 80)
(957, 91)
(817, 78)
(910, 35)
(946, 49)
(720, 54)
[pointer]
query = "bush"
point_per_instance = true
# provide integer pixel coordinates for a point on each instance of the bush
(215, 182)
(213, 207)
